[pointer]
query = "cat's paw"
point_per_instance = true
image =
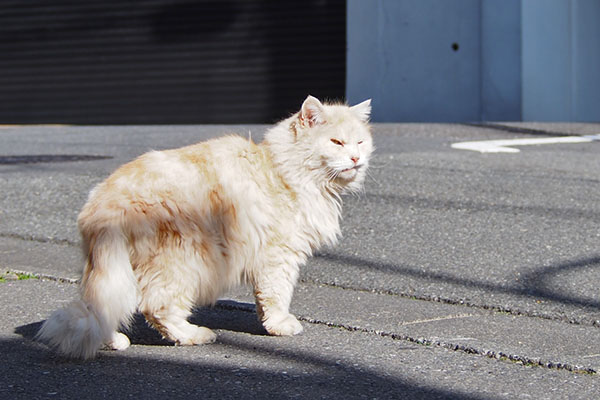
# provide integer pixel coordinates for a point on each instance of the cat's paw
(118, 341)
(200, 335)
(284, 325)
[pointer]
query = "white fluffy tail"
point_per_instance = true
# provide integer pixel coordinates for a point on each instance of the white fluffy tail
(109, 297)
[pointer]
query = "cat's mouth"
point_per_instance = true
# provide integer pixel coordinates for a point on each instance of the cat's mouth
(349, 173)
(355, 168)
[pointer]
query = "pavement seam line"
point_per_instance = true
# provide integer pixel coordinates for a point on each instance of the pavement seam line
(498, 355)
(38, 239)
(380, 292)
(43, 276)
(435, 299)
(463, 303)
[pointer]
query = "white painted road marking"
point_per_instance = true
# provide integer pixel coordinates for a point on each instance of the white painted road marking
(503, 146)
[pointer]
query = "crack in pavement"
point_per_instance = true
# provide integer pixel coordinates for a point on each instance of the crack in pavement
(453, 302)
(495, 354)
(38, 239)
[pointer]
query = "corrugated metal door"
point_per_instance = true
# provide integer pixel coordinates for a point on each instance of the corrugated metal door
(138, 62)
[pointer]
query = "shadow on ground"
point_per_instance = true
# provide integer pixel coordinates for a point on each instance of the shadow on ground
(227, 315)
(238, 366)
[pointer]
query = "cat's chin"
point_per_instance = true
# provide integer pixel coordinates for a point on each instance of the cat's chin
(348, 174)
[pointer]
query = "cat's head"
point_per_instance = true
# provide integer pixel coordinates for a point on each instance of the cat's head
(339, 138)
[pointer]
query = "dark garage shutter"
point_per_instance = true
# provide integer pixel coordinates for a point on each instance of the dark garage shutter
(148, 62)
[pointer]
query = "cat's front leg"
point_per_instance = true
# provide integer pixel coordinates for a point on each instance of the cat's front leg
(273, 289)
(282, 324)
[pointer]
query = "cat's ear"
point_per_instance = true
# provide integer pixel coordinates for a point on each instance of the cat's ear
(312, 112)
(362, 110)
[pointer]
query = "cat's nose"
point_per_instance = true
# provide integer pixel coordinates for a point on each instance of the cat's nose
(355, 159)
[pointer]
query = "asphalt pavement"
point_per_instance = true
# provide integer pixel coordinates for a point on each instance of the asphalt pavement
(460, 274)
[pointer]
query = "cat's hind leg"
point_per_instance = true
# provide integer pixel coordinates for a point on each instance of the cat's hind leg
(168, 295)
(173, 325)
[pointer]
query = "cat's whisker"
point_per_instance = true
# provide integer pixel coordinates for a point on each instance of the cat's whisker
(333, 174)
(373, 178)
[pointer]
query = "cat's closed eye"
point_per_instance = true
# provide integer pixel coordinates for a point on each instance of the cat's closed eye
(337, 142)
(360, 142)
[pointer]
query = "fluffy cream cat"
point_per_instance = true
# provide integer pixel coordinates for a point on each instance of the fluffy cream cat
(177, 228)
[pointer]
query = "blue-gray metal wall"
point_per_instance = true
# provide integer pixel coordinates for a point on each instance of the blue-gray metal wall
(475, 60)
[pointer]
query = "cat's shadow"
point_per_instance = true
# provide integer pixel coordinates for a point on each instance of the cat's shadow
(225, 315)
